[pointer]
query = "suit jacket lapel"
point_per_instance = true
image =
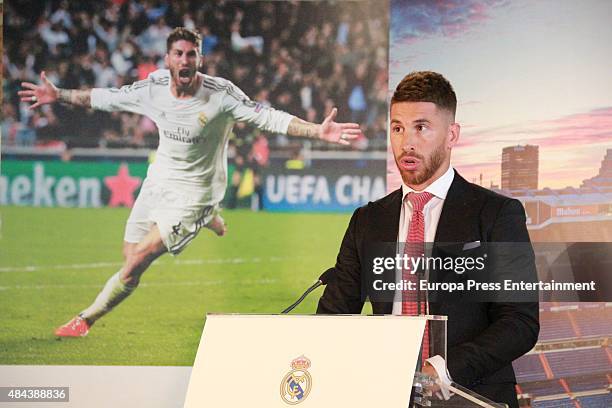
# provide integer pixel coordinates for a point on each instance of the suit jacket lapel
(456, 225)
(455, 219)
(387, 214)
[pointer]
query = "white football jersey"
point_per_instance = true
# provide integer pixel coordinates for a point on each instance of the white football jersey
(193, 133)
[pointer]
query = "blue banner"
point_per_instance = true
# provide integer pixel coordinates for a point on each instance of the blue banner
(323, 190)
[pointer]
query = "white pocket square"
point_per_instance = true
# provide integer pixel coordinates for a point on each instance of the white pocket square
(471, 245)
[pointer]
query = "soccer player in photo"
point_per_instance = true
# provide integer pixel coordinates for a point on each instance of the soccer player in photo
(194, 114)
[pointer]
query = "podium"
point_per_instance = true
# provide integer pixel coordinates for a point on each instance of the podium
(452, 394)
(320, 361)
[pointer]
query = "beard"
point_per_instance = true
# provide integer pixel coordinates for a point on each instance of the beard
(431, 166)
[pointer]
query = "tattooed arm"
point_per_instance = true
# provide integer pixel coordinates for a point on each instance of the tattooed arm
(301, 128)
(46, 93)
(75, 97)
(330, 131)
(268, 119)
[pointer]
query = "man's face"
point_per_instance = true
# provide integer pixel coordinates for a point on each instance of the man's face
(422, 136)
(183, 60)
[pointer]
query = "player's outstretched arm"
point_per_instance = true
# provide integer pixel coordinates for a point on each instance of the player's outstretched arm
(46, 93)
(330, 131)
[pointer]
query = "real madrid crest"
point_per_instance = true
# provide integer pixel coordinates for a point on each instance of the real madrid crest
(296, 385)
(202, 119)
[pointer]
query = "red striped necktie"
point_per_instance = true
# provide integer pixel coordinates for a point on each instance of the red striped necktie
(415, 248)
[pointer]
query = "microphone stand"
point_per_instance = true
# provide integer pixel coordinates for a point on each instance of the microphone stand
(297, 302)
(326, 277)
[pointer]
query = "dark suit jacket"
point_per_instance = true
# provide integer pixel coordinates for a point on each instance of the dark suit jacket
(483, 338)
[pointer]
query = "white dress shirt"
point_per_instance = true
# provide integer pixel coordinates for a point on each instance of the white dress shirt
(431, 213)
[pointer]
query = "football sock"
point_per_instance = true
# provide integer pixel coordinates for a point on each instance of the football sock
(113, 293)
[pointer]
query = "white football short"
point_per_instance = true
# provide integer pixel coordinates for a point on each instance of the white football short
(178, 216)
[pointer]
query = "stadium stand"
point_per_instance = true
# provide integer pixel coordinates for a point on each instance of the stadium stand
(571, 366)
(558, 403)
(529, 369)
(577, 362)
(594, 322)
(587, 382)
(552, 387)
(596, 401)
(555, 326)
(575, 320)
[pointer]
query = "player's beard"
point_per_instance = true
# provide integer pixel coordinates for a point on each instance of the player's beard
(431, 166)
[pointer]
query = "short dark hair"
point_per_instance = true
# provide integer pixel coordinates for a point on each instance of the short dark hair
(426, 86)
(182, 33)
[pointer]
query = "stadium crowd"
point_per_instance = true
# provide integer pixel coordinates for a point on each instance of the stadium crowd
(301, 57)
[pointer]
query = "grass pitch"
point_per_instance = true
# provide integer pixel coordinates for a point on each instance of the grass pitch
(54, 261)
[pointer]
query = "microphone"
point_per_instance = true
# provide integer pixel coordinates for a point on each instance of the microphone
(326, 277)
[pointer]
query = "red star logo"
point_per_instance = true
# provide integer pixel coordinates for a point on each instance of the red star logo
(122, 187)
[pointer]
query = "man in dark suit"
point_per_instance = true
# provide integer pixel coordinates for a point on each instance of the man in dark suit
(483, 337)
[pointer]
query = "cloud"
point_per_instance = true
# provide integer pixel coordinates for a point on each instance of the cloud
(593, 127)
(579, 129)
(571, 147)
(411, 21)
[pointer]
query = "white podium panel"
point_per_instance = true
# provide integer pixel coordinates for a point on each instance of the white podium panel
(311, 361)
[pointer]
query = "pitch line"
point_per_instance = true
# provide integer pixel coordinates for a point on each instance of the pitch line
(218, 282)
(98, 265)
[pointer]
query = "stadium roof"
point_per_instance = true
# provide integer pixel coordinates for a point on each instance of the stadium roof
(593, 195)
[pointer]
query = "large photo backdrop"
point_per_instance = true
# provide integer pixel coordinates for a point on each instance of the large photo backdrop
(69, 175)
